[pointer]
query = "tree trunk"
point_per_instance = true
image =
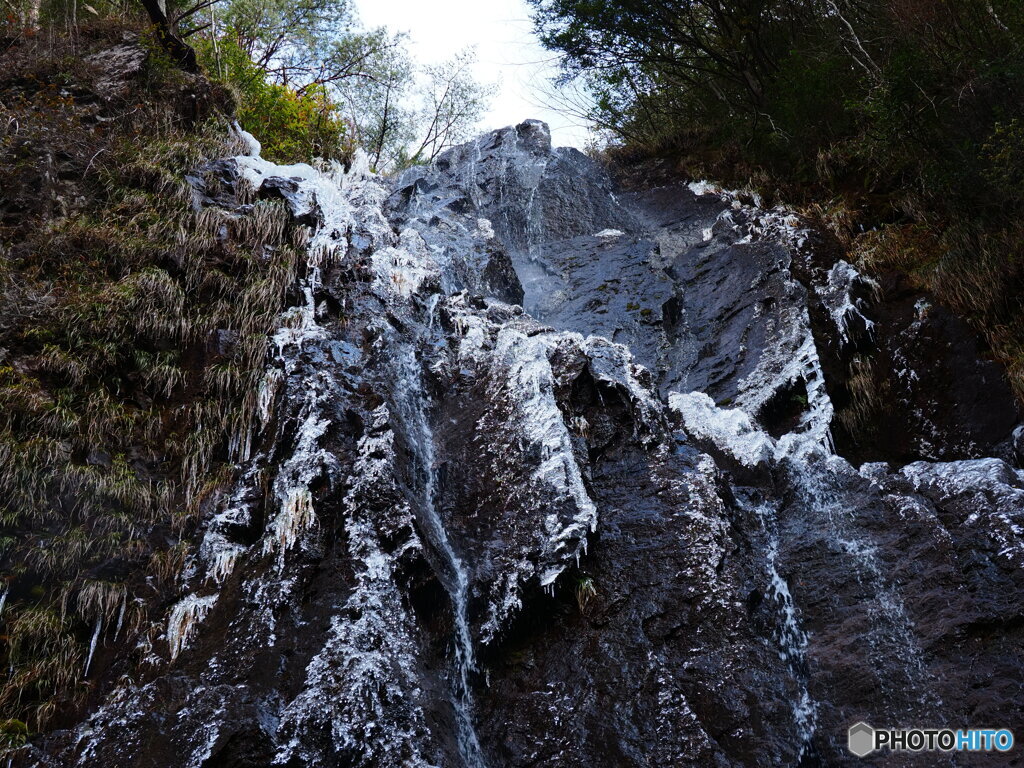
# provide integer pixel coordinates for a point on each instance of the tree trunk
(32, 14)
(167, 32)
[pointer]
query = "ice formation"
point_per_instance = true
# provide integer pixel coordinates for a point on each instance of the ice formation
(435, 468)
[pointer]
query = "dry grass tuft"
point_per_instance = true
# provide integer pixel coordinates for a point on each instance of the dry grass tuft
(131, 355)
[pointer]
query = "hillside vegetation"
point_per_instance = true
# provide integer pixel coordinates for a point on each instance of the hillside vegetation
(899, 124)
(132, 344)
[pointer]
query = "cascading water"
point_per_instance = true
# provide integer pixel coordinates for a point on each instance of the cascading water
(411, 409)
(669, 564)
(792, 638)
(815, 474)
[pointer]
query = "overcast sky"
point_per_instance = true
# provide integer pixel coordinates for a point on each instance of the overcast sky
(509, 54)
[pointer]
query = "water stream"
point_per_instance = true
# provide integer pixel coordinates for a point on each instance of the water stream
(411, 405)
(791, 636)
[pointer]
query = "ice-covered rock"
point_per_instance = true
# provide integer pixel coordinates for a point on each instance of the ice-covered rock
(543, 475)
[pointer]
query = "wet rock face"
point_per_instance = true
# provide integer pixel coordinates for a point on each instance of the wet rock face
(926, 391)
(497, 513)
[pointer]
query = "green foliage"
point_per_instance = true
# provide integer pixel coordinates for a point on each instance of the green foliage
(292, 125)
(297, 41)
(13, 734)
(1004, 157)
(585, 591)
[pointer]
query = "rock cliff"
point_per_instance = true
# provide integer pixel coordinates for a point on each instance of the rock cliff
(549, 472)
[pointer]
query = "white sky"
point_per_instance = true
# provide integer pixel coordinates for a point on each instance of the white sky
(508, 53)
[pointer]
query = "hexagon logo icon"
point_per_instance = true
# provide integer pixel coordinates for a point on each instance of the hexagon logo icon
(861, 739)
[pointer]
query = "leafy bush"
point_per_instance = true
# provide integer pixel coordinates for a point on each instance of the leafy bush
(292, 125)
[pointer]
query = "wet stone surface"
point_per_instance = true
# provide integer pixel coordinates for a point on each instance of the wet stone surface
(544, 476)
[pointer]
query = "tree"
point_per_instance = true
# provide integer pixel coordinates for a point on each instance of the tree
(453, 103)
(170, 38)
(726, 49)
(403, 114)
(379, 105)
(305, 43)
(397, 112)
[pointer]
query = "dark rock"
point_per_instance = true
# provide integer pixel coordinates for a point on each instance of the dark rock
(925, 391)
(471, 533)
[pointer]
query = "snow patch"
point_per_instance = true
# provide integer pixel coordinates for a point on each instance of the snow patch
(252, 146)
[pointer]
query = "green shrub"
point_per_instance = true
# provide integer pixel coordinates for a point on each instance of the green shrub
(13, 734)
(291, 126)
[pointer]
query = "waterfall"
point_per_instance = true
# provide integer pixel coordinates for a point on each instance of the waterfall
(411, 406)
(417, 430)
(817, 475)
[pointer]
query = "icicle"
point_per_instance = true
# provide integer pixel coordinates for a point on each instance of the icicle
(240, 444)
(296, 516)
(432, 309)
(185, 615)
(120, 618)
(224, 563)
(92, 645)
(268, 392)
